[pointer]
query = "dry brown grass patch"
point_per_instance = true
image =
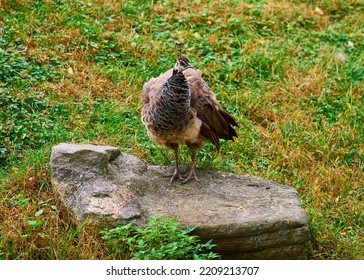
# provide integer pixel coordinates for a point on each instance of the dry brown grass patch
(51, 239)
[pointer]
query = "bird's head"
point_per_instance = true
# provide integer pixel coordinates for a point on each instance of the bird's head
(182, 63)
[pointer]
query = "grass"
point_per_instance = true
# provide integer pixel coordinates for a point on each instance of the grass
(73, 71)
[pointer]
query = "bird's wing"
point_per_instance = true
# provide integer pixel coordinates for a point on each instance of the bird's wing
(216, 124)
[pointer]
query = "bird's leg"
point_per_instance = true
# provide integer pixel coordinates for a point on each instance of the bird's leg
(192, 174)
(176, 174)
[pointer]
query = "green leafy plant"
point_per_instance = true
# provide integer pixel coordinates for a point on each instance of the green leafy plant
(159, 239)
(20, 200)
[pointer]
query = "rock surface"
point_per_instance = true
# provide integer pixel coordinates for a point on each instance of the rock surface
(247, 217)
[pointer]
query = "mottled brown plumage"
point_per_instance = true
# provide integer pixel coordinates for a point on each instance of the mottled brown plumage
(180, 109)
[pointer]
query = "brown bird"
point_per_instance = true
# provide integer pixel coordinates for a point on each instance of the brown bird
(180, 109)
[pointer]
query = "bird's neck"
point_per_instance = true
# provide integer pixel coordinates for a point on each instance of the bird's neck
(176, 96)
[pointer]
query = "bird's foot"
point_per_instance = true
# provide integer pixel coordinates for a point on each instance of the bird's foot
(174, 176)
(190, 177)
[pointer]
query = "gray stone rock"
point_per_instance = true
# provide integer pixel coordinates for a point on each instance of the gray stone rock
(247, 217)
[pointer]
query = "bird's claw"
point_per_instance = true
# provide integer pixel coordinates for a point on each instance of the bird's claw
(175, 177)
(190, 177)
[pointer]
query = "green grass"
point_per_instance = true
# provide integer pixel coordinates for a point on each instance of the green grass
(73, 71)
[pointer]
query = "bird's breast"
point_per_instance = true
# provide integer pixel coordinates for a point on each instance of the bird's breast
(189, 133)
